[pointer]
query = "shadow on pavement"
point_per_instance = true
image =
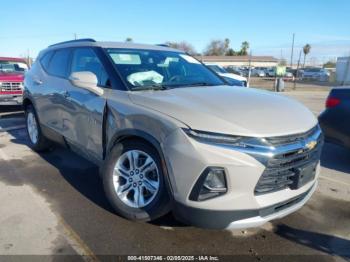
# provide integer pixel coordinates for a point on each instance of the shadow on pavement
(78, 172)
(328, 244)
(335, 157)
(5, 109)
(83, 176)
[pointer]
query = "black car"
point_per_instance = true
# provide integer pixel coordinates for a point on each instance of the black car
(334, 120)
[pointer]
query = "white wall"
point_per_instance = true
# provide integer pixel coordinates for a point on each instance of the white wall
(254, 64)
(343, 70)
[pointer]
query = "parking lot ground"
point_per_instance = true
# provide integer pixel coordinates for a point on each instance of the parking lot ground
(53, 204)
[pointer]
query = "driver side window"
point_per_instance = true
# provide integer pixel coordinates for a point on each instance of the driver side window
(85, 59)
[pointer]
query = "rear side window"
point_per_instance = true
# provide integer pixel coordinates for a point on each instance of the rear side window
(46, 59)
(85, 59)
(58, 65)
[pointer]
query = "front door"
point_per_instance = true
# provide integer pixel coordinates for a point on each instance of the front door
(83, 118)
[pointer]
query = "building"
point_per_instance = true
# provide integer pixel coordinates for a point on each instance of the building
(256, 61)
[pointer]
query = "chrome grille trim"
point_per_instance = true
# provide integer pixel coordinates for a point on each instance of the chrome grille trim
(11, 86)
(281, 167)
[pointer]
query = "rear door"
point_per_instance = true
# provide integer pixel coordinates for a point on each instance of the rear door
(51, 87)
(83, 117)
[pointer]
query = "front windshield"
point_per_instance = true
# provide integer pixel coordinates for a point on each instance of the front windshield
(148, 69)
(12, 66)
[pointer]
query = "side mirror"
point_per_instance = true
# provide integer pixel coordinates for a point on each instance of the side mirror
(86, 80)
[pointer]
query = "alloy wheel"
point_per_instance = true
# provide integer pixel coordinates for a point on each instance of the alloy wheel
(136, 178)
(32, 128)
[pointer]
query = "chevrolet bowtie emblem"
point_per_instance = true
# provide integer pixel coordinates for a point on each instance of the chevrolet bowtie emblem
(311, 145)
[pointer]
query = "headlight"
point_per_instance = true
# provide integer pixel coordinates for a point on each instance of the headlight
(217, 138)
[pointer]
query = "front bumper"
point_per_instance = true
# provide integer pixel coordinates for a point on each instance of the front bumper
(240, 207)
(237, 219)
(13, 99)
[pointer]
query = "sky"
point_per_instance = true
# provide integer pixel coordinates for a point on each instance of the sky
(268, 25)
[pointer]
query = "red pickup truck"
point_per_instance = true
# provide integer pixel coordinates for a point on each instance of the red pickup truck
(11, 80)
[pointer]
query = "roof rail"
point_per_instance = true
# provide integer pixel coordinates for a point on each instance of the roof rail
(75, 41)
(164, 45)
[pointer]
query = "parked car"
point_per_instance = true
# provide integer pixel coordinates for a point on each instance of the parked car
(296, 73)
(289, 75)
(271, 72)
(11, 80)
(318, 74)
(232, 79)
(333, 120)
(258, 72)
(234, 70)
(169, 134)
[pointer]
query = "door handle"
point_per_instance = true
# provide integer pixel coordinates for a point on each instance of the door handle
(38, 82)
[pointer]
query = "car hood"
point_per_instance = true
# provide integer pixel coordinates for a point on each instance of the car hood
(234, 76)
(224, 109)
(11, 77)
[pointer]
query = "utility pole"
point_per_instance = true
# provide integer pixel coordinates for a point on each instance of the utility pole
(249, 66)
(297, 72)
(28, 57)
(291, 56)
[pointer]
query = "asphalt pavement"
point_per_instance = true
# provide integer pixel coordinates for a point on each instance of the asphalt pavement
(53, 205)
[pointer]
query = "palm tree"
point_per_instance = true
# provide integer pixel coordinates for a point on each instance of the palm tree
(244, 48)
(306, 50)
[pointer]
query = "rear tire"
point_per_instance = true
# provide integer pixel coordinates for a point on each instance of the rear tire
(136, 189)
(38, 142)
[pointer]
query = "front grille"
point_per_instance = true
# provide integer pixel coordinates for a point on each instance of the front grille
(11, 86)
(281, 169)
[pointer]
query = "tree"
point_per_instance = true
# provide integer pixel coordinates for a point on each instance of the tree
(217, 47)
(184, 46)
(306, 50)
(329, 64)
(128, 39)
(231, 52)
(227, 43)
(244, 48)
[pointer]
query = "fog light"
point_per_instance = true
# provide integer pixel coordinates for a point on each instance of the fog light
(211, 183)
(215, 180)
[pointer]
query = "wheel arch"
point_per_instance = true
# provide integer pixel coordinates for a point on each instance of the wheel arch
(26, 103)
(136, 134)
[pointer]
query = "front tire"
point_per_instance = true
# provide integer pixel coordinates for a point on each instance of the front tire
(38, 142)
(134, 183)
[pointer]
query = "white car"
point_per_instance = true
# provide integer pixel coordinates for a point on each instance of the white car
(319, 74)
(231, 78)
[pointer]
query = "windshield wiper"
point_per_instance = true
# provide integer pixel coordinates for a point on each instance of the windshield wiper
(199, 84)
(150, 87)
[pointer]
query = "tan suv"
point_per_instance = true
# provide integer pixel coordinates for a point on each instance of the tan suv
(169, 134)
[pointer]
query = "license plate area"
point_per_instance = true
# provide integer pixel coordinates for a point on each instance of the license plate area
(303, 175)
